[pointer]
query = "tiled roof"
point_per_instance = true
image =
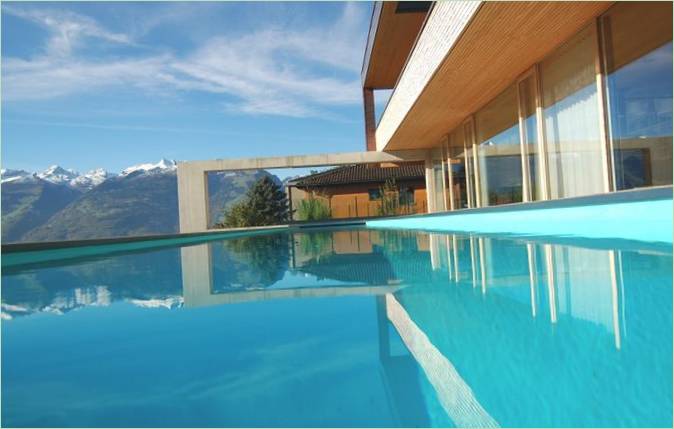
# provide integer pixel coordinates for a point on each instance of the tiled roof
(360, 173)
(371, 268)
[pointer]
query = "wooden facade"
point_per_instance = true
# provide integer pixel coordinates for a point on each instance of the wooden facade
(355, 191)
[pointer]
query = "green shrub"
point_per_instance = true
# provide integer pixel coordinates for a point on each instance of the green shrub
(390, 198)
(313, 208)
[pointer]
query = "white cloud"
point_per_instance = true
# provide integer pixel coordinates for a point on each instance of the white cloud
(277, 71)
(67, 29)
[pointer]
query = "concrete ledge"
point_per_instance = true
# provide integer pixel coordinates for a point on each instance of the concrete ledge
(68, 244)
(318, 160)
(193, 183)
(641, 214)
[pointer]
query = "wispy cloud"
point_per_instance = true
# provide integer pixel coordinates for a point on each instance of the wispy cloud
(67, 29)
(274, 71)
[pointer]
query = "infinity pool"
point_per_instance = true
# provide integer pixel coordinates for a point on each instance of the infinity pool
(342, 327)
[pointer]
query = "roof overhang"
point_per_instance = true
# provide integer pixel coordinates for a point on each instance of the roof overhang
(498, 42)
(393, 30)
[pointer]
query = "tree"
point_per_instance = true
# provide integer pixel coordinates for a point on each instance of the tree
(255, 262)
(265, 203)
(236, 216)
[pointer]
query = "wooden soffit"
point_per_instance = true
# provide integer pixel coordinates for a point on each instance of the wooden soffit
(393, 37)
(503, 40)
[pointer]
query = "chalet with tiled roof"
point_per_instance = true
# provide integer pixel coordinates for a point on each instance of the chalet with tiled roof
(355, 190)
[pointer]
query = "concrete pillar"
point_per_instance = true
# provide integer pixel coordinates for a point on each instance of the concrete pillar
(192, 198)
(370, 120)
(197, 271)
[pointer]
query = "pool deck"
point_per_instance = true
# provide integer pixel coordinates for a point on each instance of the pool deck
(634, 215)
(638, 214)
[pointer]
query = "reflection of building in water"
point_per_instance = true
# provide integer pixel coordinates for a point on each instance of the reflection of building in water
(538, 318)
(346, 262)
(359, 256)
(454, 395)
(552, 280)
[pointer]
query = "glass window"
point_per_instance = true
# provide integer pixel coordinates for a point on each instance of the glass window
(571, 119)
(373, 194)
(406, 196)
(499, 151)
(637, 41)
(457, 167)
(527, 93)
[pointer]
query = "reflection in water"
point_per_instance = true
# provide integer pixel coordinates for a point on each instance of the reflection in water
(472, 330)
(250, 262)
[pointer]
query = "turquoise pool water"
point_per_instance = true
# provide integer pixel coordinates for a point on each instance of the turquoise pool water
(342, 327)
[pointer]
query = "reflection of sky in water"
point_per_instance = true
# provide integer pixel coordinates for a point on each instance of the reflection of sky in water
(463, 329)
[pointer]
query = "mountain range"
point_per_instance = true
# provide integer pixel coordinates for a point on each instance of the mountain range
(63, 204)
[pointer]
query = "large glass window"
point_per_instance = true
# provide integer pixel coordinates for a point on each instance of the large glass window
(499, 151)
(571, 119)
(527, 97)
(638, 58)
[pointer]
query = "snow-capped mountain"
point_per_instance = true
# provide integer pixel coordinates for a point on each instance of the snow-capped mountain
(91, 179)
(8, 175)
(169, 302)
(163, 165)
(62, 204)
(83, 182)
(58, 175)
(72, 299)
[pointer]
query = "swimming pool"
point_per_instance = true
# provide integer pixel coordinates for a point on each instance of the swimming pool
(341, 327)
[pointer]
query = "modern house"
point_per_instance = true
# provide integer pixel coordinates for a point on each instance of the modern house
(356, 190)
(504, 102)
(523, 101)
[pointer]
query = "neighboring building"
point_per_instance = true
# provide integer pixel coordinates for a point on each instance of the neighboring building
(523, 101)
(355, 190)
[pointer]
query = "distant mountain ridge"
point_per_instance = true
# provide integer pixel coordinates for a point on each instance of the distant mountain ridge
(62, 204)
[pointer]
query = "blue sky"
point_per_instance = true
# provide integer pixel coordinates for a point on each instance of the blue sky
(88, 85)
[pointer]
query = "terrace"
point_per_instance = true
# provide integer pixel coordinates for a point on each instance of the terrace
(523, 277)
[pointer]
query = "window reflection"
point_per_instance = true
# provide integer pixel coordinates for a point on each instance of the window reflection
(612, 317)
(638, 50)
(499, 153)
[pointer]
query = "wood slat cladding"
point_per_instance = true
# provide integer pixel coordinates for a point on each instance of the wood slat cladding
(502, 41)
(393, 41)
(654, 30)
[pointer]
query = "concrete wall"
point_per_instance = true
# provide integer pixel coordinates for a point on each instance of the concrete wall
(193, 186)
